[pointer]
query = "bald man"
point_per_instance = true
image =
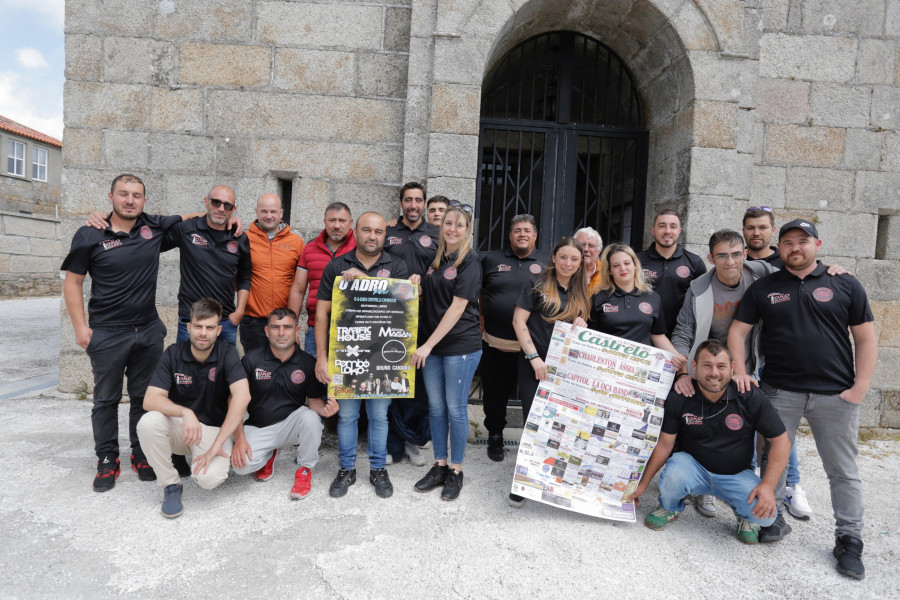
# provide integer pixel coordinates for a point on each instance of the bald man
(214, 263)
(274, 250)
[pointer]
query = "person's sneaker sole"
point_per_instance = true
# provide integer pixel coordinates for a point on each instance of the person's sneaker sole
(168, 516)
(797, 515)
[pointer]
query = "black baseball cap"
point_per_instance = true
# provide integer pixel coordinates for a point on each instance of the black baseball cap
(801, 224)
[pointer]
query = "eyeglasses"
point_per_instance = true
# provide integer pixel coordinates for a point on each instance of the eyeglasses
(765, 208)
(726, 255)
(216, 203)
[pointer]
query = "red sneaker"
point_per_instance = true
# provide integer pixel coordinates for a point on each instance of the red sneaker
(107, 473)
(268, 470)
(302, 483)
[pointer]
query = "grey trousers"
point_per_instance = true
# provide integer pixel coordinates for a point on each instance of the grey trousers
(835, 427)
(302, 427)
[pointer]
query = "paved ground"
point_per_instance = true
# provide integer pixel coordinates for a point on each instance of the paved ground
(58, 539)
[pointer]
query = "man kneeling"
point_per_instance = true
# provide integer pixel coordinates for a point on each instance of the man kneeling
(716, 433)
(196, 398)
(285, 407)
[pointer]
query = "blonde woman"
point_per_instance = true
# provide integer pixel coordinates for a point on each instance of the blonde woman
(451, 351)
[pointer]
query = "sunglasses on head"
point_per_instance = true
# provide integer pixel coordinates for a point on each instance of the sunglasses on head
(765, 208)
(216, 203)
(466, 207)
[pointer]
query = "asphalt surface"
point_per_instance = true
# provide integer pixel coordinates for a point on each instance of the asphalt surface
(59, 539)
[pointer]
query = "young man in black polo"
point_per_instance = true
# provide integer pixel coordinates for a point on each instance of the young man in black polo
(758, 228)
(367, 260)
(435, 209)
(285, 407)
(124, 333)
(213, 263)
(716, 433)
(196, 399)
(504, 272)
(415, 240)
(668, 267)
(809, 371)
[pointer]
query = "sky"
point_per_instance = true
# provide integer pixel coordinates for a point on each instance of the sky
(31, 72)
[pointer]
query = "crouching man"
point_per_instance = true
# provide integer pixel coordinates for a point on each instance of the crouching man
(716, 432)
(285, 407)
(196, 399)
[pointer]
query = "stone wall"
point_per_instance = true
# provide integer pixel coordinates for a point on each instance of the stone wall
(28, 196)
(29, 255)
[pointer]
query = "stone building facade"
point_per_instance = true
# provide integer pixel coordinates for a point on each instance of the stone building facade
(792, 104)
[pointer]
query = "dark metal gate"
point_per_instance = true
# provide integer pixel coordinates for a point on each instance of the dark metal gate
(562, 139)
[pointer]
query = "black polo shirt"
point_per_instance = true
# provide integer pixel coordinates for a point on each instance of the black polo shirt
(671, 278)
(415, 246)
(804, 336)
(385, 266)
(503, 276)
(213, 264)
(123, 269)
(721, 435)
(439, 287)
(629, 315)
(279, 388)
(202, 387)
(533, 301)
(773, 259)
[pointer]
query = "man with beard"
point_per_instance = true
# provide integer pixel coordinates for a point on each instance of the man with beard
(668, 267)
(274, 252)
(504, 272)
(196, 399)
(415, 241)
(367, 260)
(124, 333)
(758, 230)
(716, 433)
(213, 263)
(592, 242)
(333, 241)
(801, 306)
(285, 407)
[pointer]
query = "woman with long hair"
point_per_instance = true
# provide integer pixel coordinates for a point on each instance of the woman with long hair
(452, 348)
(559, 294)
(626, 306)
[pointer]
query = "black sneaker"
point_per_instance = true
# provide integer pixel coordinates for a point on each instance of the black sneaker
(379, 478)
(495, 447)
(181, 465)
(108, 471)
(848, 552)
(345, 478)
(143, 469)
(435, 476)
(774, 532)
(515, 500)
(171, 504)
(453, 485)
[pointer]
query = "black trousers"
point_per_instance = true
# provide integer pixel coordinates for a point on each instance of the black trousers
(116, 353)
(253, 333)
(498, 385)
(408, 420)
(528, 384)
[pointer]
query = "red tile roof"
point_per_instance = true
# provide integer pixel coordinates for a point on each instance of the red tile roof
(19, 129)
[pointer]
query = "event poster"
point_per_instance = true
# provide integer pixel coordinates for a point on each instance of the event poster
(594, 424)
(374, 321)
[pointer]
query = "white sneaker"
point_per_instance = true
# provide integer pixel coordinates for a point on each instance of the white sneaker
(706, 505)
(415, 455)
(796, 503)
(426, 445)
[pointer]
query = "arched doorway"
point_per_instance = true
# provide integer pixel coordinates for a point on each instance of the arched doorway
(562, 138)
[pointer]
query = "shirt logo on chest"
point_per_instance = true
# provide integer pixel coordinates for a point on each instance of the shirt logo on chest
(535, 268)
(146, 233)
(263, 375)
(648, 274)
(823, 294)
(232, 247)
(504, 268)
(298, 377)
(683, 272)
(425, 241)
(110, 244)
(182, 379)
(778, 297)
(198, 240)
(692, 419)
(450, 273)
(429, 271)
(610, 308)
(393, 241)
(734, 422)
(212, 374)
(384, 273)
(646, 308)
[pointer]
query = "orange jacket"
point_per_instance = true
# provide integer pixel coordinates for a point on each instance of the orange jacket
(274, 264)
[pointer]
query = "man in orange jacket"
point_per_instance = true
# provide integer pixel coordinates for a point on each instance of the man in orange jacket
(274, 251)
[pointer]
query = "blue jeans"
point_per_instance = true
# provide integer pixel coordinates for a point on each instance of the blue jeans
(793, 466)
(309, 342)
(229, 331)
(347, 430)
(683, 476)
(448, 380)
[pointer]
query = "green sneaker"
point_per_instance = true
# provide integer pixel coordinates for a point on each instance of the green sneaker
(659, 518)
(747, 532)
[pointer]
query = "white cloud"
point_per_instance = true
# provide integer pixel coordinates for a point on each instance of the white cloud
(31, 58)
(18, 102)
(53, 10)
